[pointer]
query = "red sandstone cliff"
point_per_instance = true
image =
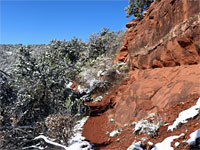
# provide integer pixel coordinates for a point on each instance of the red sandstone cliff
(163, 52)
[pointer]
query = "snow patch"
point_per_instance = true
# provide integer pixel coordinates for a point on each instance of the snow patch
(117, 71)
(98, 99)
(114, 133)
(166, 143)
(193, 136)
(80, 89)
(92, 82)
(37, 146)
(112, 120)
(9, 53)
(177, 144)
(99, 73)
(152, 115)
(80, 145)
(135, 146)
(69, 85)
(185, 115)
(47, 140)
(133, 123)
(150, 143)
(76, 142)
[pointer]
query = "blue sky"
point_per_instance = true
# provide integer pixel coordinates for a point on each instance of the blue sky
(38, 22)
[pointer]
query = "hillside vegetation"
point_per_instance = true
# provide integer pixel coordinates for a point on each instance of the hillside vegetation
(35, 86)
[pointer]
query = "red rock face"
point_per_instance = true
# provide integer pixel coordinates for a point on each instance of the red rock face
(156, 90)
(167, 36)
(163, 52)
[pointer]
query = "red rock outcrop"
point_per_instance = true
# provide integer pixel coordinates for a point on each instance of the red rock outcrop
(167, 36)
(163, 52)
(154, 90)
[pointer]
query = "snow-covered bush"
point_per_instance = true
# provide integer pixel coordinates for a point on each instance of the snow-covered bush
(145, 127)
(149, 126)
(41, 81)
(93, 69)
(105, 42)
(72, 48)
(102, 74)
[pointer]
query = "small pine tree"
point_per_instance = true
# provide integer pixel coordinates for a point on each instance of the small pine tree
(136, 8)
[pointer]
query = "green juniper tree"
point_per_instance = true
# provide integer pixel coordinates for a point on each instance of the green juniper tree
(106, 42)
(41, 82)
(136, 8)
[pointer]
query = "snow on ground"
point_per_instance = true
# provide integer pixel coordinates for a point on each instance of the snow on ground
(80, 145)
(185, 115)
(193, 136)
(114, 133)
(77, 141)
(9, 53)
(150, 143)
(166, 143)
(77, 130)
(47, 140)
(177, 144)
(135, 146)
